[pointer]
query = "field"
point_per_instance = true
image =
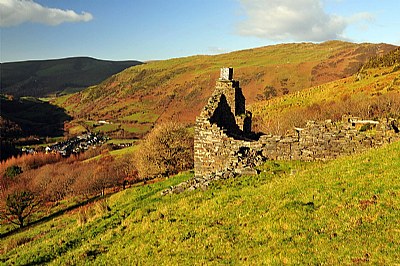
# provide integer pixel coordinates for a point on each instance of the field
(341, 212)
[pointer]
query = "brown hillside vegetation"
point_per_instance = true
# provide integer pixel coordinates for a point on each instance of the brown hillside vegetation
(178, 88)
(372, 93)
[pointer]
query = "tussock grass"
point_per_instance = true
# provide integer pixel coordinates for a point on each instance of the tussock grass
(341, 212)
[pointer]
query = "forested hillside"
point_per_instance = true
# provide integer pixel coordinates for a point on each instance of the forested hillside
(42, 78)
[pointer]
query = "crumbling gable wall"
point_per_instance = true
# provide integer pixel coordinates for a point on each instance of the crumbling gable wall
(222, 127)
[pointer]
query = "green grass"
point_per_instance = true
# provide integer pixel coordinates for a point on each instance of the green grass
(116, 153)
(143, 117)
(137, 128)
(341, 212)
(107, 128)
(77, 130)
(124, 151)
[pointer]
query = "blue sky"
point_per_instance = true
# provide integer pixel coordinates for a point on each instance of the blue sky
(161, 29)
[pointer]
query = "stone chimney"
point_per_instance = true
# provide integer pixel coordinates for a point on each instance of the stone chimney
(226, 73)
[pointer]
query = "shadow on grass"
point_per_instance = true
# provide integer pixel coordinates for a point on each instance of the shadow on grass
(53, 215)
(80, 204)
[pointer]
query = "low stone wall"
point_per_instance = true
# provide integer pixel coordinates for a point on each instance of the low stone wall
(326, 140)
(215, 151)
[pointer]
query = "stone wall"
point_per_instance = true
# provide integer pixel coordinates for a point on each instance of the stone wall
(326, 140)
(223, 127)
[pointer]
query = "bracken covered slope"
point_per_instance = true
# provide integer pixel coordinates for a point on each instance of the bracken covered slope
(179, 88)
(372, 93)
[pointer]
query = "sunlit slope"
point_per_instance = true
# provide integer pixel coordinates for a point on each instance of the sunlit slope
(178, 88)
(372, 93)
(338, 213)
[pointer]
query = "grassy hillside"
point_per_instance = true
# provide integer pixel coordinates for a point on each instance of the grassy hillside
(60, 76)
(373, 92)
(178, 88)
(341, 212)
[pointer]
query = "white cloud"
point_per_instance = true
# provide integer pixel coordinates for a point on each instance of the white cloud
(15, 12)
(294, 20)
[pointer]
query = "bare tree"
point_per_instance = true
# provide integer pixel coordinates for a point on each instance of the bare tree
(18, 206)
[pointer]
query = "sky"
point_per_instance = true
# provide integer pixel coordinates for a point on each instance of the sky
(162, 29)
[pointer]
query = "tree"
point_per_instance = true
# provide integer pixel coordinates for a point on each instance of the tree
(125, 169)
(166, 150)
(105, 174)
(19, 205)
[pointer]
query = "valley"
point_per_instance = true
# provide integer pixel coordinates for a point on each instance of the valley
(177, 89)
(99, 206)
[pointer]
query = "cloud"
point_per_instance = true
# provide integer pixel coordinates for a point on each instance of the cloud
(295, 20)
(15, 12)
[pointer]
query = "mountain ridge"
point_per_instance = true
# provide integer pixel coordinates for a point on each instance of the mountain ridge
(41, 78)
(177, 89)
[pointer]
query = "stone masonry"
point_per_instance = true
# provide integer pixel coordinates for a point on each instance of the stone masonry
(224, 145)
(223, 127)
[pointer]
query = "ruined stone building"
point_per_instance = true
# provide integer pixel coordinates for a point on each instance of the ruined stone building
(223, 126)
(224, 141)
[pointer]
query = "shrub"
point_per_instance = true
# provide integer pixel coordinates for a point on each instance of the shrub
(166, 150)
(84, 214)
(102, 207)
(13, 171)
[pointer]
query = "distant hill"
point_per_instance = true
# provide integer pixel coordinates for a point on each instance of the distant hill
(177, 89)
(25, 117)
(59, 76)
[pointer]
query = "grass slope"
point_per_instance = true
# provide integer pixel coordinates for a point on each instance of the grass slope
(179, 88)
(374, 95)
(45, 77)
(341, 212)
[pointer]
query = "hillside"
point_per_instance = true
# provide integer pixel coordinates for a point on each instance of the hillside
(41, 78)
(372, 93)
(342, 212)
(136, 98)
(32, 117)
